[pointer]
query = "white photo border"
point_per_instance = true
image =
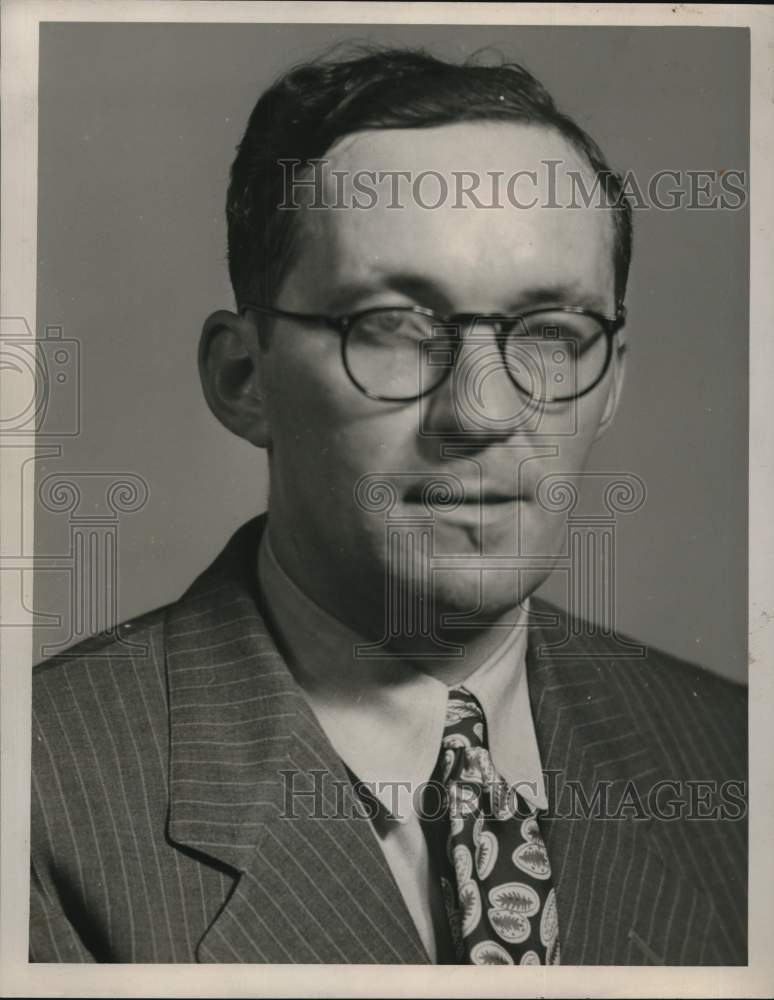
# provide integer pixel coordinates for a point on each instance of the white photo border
(19, 81)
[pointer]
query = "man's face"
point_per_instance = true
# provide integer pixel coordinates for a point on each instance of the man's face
(326, 435)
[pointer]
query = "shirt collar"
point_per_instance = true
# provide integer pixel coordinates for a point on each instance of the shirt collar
(384, 717)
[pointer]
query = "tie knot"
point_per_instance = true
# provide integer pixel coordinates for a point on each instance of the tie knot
(464, 726)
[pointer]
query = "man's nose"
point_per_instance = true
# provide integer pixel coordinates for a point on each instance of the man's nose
(479, 399)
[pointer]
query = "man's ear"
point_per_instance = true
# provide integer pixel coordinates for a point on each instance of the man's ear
(233, 376)
(618, 371)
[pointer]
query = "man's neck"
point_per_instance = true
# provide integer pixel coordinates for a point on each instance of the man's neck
(448, 653)
(473, 646)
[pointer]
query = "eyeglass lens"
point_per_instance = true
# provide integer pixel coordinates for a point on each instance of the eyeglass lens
(550, 356)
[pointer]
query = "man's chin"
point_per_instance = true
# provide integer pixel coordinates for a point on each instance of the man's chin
(470, 595)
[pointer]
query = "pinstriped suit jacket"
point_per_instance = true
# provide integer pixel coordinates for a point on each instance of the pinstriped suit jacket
(161, 828)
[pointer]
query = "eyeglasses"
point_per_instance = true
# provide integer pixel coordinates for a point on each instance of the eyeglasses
(402, 353)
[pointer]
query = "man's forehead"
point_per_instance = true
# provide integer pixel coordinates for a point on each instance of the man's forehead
(482, 146)
(448, 202)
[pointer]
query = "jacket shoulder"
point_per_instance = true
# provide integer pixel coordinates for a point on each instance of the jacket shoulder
(108, 668)
(99, 714)
(119, 639)
(694, 718)
(620, 651)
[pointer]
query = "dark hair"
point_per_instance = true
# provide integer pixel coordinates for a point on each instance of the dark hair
(308, 109)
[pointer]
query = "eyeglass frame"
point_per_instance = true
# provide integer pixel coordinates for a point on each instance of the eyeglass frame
(344, 324)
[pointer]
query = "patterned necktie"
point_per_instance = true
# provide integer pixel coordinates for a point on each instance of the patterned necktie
(497, 883)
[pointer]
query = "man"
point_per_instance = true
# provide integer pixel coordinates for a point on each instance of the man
(357, 738)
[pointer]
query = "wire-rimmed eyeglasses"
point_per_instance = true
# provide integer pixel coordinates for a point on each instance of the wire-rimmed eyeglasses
(402, 353)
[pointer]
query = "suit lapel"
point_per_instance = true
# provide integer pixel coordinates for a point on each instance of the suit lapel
(618, 902)
(256, 786)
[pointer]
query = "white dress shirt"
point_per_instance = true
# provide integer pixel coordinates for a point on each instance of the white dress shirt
(385, 719)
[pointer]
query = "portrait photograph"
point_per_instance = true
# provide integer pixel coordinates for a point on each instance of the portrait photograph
(386, 557)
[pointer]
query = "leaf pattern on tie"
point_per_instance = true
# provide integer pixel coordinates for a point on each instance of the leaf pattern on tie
(448, 763)
(497, 893)
(490, 953)
(458, 709)
(463, 800)
(511, 927)
(532, 858)
(456, 741)
(478, 767)
(549, 924)
(463, 863)
(530, 830)
(470, 900)
(515, 897)
(486, 854)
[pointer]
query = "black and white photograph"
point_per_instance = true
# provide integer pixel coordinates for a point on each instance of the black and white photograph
(386, 554)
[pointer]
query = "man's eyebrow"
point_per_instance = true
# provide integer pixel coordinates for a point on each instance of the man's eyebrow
(560, 294)
(418, 288)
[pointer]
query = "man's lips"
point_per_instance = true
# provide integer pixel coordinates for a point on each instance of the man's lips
(492, 498)
(476, 511)
(469, 497)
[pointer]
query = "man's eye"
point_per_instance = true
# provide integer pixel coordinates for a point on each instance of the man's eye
(550, 330)
(394, 323)
(580, 330)
(565, 332)
(389, 322)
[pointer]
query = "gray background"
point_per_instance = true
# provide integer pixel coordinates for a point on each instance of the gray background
(138, 126)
